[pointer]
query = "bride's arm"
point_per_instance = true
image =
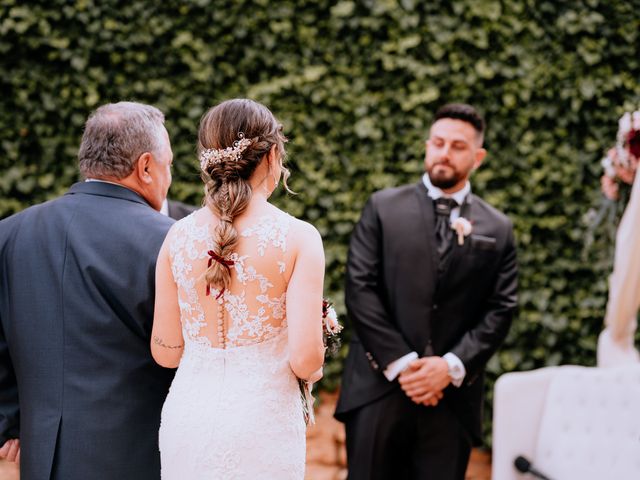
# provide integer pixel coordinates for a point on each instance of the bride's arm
(304, 303)
(167, 343)
(316, 376)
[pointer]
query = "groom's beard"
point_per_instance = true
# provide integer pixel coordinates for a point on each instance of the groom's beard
(444, 178)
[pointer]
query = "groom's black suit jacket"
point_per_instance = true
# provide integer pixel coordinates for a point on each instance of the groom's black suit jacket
(398, 302)
(76, 309)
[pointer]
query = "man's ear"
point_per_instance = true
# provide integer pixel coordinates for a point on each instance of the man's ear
(143, 165)
(481, 153)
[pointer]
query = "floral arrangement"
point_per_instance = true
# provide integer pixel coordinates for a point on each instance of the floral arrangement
(621, 161)
(463, 228)
(619, 164)
(331, 329)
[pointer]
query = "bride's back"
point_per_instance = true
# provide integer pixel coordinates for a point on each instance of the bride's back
(234, 409)
(252, 308)
(263, 269)
(238, 310)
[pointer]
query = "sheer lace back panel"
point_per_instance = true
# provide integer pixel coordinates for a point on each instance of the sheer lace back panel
(252, 310)
(234, 407)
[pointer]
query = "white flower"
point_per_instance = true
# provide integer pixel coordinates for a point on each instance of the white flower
(608, 164)
(463, 228)
(331, 324)
(624, 123)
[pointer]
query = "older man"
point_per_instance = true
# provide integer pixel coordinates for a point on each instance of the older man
(81, 395)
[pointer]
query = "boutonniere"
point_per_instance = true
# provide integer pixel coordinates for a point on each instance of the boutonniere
(463, 228)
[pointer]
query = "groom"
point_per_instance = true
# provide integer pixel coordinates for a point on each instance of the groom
(78, 385)
(429, 307)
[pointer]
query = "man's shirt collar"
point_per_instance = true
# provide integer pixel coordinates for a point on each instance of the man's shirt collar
(435, 192)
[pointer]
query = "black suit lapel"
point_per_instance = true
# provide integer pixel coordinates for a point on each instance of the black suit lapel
(428, 216)
(458, 252)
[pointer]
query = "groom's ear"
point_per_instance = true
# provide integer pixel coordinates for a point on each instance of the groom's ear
(143, 167)
(480, 155)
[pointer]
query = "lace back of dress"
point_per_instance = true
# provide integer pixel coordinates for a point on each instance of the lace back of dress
(252, 309)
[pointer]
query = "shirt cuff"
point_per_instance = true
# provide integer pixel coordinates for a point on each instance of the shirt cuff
(457, 371)
(397, 366)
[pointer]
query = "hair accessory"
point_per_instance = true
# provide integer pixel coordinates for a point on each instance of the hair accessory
(213, 156)
(213, 256)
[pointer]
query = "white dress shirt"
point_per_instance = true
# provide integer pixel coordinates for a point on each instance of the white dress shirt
(164, 209)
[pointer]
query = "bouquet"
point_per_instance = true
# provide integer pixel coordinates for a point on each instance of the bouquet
(621, 161)
(619, 165)
(330, 330)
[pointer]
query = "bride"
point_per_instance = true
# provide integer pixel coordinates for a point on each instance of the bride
(238, 311)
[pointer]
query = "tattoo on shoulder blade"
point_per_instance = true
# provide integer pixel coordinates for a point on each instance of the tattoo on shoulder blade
(158, 341)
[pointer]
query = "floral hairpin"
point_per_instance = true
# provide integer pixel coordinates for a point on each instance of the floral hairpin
(213, 156)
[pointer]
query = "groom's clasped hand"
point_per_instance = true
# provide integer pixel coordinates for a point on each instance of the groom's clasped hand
(424, 380)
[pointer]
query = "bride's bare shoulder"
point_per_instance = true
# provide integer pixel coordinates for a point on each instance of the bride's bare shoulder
(297, 227)
(304, 236)
(301, 235)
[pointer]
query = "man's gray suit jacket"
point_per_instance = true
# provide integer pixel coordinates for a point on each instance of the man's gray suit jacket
(76, 310)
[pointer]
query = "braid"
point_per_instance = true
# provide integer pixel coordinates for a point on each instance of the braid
(233, 139)
(228, 201)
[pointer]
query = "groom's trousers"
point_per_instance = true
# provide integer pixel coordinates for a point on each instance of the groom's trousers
(393, 437)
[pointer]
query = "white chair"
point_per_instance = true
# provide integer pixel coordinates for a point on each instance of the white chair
(571, 422)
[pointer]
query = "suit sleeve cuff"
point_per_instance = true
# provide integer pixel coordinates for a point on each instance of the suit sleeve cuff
(397, 366)
(457, 372)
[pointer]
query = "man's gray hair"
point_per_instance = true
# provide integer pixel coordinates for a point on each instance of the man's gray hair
(115, 136)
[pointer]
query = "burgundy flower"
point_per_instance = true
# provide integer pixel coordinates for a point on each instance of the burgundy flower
(325, 307)
(633, 143)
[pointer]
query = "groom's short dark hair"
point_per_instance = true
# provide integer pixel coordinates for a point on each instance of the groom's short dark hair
(464, 112)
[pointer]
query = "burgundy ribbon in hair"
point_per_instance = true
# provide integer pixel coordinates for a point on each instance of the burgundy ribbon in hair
(226, 263)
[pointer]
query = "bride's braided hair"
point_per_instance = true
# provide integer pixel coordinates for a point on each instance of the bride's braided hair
(233, 138)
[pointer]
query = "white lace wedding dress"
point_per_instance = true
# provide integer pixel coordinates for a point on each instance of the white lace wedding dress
(234, 409)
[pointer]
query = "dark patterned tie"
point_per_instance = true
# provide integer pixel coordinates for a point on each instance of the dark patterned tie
(444, 234)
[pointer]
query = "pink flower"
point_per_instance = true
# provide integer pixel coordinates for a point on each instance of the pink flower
(330, 324)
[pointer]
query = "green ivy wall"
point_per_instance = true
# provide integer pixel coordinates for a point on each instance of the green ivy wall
(356, 85)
